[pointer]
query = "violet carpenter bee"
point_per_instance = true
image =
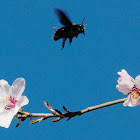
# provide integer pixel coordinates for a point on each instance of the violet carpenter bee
(69, 30)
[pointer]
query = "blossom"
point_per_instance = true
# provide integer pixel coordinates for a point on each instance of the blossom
(11, 100)
(128, 86)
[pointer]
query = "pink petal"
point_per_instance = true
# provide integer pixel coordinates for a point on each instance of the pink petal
(137, 82)
(124, 74)
(125, 86)
(131, 102)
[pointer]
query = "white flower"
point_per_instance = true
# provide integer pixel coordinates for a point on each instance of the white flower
(11, 100)
(128, 86)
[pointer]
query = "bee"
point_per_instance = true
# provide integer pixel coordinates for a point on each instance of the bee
(69, 30)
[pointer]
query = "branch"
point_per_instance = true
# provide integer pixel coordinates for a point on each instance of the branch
(55, 113)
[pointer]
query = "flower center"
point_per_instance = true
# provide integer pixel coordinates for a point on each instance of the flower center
(10, 102)
(135, 93)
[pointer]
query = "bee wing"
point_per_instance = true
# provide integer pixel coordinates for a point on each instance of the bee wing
(64, 20)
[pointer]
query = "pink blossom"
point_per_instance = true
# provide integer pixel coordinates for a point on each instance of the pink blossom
(128, 86)
(11, 100)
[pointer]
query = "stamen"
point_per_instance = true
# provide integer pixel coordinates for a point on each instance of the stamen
(135, 93)
(10, 102)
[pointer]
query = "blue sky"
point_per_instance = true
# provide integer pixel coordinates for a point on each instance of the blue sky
(81, 75)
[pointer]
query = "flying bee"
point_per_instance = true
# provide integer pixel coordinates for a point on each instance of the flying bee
(69, 30)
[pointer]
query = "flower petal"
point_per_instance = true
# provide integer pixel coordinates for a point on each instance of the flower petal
(128, 101)
(125, 82)
(131, 102)
(2, 107)
(124, 74)
(137, 81)
(23, 101)
(7, 116)
(18, 87)
(125, 86)
(4, 88)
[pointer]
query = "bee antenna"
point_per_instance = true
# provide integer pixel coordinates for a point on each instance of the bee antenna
(55, 28)
(83, 20)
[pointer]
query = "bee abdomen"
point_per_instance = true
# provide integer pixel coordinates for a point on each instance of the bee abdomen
(59, 33)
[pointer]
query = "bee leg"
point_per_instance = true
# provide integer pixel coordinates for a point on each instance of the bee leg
(70, 40)
(63, 43)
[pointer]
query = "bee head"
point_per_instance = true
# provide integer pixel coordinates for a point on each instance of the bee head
(82, 28)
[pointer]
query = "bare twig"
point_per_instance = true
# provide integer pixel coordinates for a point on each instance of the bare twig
(55, 113)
